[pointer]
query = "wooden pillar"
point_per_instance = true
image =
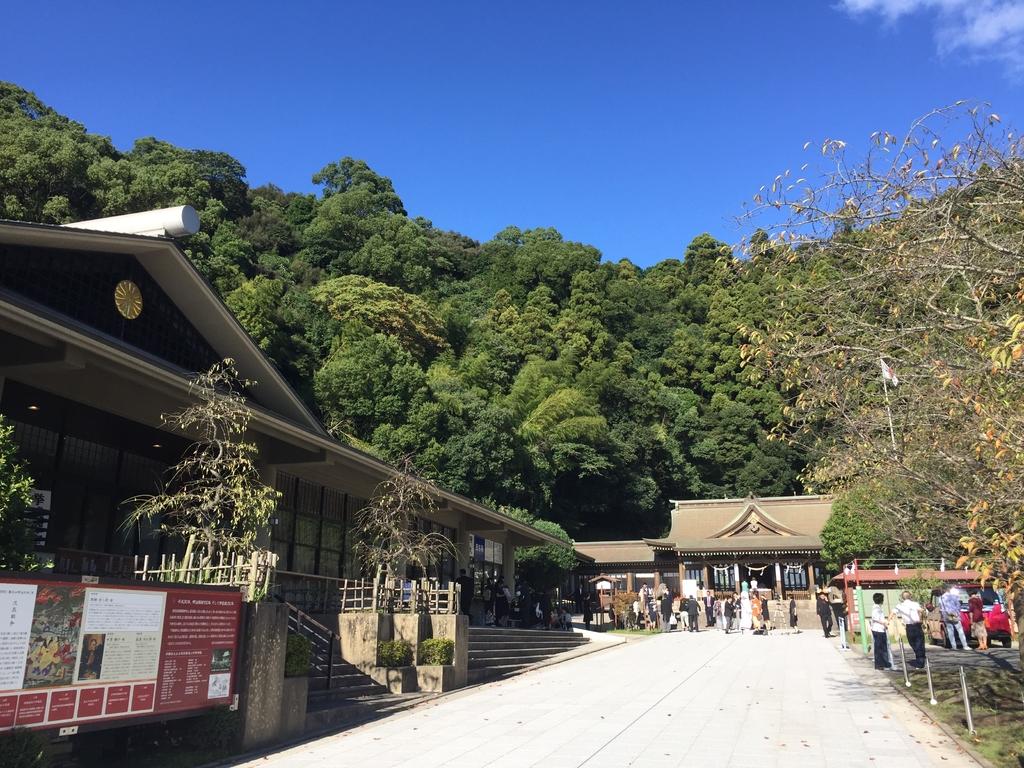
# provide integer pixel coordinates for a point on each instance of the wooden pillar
(810, 578)
(657, 577)
(709, 579)
(679, 564)
(736, 578)
(778, 580)
(629, 581)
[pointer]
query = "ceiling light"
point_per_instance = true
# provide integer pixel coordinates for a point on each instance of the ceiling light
(157, 445)
(33, 407)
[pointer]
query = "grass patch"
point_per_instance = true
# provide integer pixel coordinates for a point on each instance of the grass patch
(996, 707)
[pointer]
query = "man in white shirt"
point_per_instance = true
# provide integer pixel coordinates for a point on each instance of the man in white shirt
(909, 612)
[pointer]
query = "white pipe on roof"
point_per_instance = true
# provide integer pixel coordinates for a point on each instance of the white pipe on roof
(179, 221)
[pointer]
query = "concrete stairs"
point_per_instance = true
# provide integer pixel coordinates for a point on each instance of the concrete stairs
(495, 652)
(346, 682)
(325, 714)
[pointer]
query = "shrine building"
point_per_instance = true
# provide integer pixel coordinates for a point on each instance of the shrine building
(718, 544)
(102, 325)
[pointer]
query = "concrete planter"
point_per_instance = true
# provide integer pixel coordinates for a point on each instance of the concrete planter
(436, 677)
(396, 679)
(293, 707)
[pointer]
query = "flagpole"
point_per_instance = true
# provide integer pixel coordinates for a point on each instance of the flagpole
(888, 411)
(886, 372)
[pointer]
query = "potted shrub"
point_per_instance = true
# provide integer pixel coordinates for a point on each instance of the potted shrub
(434, 668)
(394, 666)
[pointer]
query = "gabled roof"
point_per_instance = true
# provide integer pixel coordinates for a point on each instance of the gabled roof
(277, 411)
(168, 265)
(750, 525)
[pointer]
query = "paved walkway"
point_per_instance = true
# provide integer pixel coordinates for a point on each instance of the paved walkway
(681, 699)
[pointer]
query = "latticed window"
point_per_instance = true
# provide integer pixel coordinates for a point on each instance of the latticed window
(83, 289)
(313, 533)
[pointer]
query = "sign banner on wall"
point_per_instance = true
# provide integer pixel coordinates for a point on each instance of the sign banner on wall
(73, 653)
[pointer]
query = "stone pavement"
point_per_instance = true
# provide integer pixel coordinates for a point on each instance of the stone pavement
(681, 699)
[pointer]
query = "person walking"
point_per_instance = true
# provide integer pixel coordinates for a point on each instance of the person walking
(976, 608)
(825, 614)
(755, 611)
(588, 611)
(709, 607)
(729, 611)
(766, 621)
(879, 633)
(666, 610)
(792, 614)
(692, 612)
(837, 603)
(949, 604)
(909, 612)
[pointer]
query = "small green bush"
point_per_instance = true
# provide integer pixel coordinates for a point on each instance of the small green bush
(297, 655)
(437, 650)
(22, 748)
(394, 653)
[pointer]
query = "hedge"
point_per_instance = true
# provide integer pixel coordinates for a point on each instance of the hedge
(437, 650)
(394, 653)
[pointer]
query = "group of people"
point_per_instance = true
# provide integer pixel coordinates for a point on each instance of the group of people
(942, 613)
(504, 606)
(658, 609)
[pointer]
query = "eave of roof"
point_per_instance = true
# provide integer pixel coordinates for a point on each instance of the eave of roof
(311, 432)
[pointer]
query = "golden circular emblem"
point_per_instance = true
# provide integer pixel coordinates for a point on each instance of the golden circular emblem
(128, 299)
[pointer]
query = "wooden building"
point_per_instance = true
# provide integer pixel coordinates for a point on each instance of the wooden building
(720, 543)
(100, 332)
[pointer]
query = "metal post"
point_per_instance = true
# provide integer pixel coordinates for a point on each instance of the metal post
(903, 655)
(330, 660)
(931, 688)
(859, 597)
(967, 702)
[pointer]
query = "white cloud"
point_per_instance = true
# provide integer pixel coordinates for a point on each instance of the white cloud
(979, 29)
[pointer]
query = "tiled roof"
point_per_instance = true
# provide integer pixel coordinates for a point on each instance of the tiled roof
(720, 526)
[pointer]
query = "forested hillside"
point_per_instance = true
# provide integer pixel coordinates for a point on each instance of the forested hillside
(524, 370)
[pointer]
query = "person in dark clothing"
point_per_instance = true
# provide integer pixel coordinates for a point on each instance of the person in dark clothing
(588, 611)
(729, 611)
(879, 632)
(501, 603)
(839, 613)
(765, 618)
(692, 612)
(465, 592)
(709, 604)
(825, 614)
(792, 614)
(666, 610)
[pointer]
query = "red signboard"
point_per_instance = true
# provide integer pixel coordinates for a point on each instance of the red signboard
(73, 653)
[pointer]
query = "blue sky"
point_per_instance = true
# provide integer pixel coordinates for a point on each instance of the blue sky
(630, 126)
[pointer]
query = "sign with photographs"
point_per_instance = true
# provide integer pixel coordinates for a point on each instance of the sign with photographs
(72, 653)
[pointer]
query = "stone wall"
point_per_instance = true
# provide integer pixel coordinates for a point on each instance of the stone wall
(261, 684)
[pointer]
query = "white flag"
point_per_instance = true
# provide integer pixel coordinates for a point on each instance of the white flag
(888, 374)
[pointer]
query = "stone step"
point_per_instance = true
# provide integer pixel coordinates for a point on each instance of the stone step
(338, 693)
(333, 715)
(510, 653)
(481, 674)
(488, 633)
(512, 644)
(500, 661)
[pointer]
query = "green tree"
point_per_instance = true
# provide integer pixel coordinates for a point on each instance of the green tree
(213, 497)
(16, 535)
(546, 566)
(383, 309)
